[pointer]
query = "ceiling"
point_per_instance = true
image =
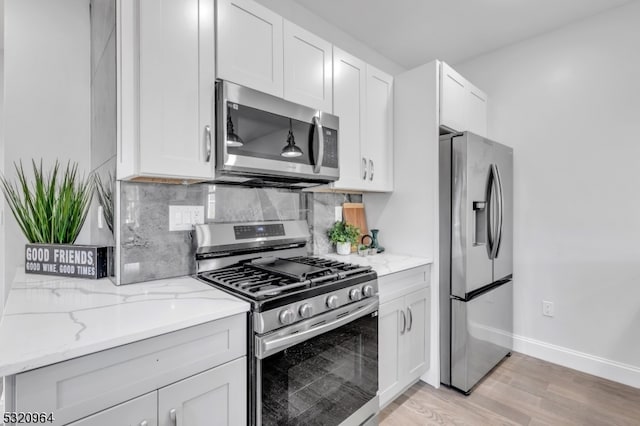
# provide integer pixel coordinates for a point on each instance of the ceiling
(412, 32)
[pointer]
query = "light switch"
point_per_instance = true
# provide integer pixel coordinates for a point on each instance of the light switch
(182, 218)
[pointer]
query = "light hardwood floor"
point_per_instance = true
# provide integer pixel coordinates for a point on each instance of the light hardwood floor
(520, 391)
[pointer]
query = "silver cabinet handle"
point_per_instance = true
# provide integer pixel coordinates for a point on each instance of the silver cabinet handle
(144, 423)
(410, 315)
(370, 169)
(364, 168)
(207, 131)
(404, 323)
(173, 416)
(320, 138)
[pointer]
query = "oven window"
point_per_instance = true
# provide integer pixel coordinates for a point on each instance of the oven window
(324, 380)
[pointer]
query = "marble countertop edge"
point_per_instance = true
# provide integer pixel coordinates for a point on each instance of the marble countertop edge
(45, 359)
(50, 319)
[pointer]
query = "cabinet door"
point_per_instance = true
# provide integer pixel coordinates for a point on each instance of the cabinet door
(391, 329)
(308, 71)
(250, 49)
(176, 86)
(477, 101)
(216, 397)
(454, 98)
(379, 130)
(418, 331)
(141, 411)
(349, 86)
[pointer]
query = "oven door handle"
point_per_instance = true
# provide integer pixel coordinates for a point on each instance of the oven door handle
(266, 346)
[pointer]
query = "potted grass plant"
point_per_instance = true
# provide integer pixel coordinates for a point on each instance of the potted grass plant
(50, 210)
(344, 235)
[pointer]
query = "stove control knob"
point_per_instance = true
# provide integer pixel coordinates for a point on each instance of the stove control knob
(306, 310)
(367, 290)
(286, 316)
(355, 294)
(332, 301)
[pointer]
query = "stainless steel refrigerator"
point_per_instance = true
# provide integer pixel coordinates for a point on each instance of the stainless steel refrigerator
(476, 257)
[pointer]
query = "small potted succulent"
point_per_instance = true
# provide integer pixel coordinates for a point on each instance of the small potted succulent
(344, 235)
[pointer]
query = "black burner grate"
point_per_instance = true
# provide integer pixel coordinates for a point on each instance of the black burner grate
(263, 280)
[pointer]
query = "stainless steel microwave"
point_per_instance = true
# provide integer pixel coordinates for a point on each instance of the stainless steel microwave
(265, 140)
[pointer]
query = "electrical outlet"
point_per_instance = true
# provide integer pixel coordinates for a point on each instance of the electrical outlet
(338, 213)
(100, 218)
(182, 218)
(547, 308)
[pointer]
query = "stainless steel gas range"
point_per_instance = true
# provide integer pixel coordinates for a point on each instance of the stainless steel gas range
(313, 338)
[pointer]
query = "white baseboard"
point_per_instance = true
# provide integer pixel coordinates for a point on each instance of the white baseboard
(591, 364)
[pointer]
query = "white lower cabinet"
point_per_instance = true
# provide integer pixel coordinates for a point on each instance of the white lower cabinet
(191, 377)
(215, 397)
(141, 411)
(404, 324)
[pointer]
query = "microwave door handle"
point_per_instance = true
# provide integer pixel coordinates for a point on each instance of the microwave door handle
(320, 138)
(207, 132)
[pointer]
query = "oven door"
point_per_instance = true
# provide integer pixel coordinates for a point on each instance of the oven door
(262, 135)
(323, 371)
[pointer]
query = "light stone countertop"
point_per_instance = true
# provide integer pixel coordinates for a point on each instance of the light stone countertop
(383, 263)
(49, 319)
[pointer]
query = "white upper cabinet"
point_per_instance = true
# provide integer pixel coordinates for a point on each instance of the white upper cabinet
(379, 130)
(307, 68)
(166, 79)
(477, 111)
(462, 105)
(363, 99)
(250, 46)
(349, 88)
(453, 99)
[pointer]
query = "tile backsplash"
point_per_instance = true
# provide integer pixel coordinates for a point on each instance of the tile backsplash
(148, 250)
(322, 216)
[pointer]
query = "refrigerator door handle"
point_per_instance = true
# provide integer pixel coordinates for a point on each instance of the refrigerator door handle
(500, 199)
(491, 212)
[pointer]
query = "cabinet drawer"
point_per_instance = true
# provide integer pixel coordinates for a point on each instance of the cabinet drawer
(82, 386)
(131, 413)
(402, 283)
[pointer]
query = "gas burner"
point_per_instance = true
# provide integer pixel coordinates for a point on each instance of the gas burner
(264, 278)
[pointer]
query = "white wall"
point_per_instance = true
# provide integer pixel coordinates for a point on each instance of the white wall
(47, 94)
(308, 20)
(408, 217)
(569, 104)
(2, 210)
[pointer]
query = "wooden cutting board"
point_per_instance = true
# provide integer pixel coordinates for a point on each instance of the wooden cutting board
(353, 214)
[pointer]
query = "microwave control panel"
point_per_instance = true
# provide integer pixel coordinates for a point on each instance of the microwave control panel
(330, 148)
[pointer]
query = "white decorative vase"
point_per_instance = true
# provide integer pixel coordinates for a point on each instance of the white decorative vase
(343, 248)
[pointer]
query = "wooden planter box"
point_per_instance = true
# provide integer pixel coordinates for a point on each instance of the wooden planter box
(67, 260)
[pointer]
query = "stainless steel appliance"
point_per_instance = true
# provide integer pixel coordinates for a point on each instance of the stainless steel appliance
(476, 257)
(313, 337)
(262, 139)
